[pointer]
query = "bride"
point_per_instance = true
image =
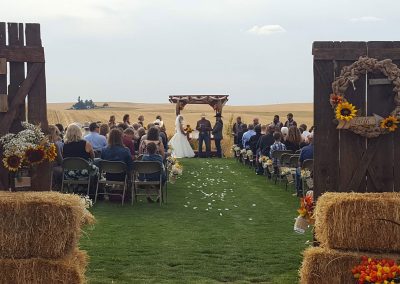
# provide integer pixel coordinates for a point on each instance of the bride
(179, 142)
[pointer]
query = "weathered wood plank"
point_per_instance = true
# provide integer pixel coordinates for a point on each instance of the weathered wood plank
(37, 105)
(3, 90)
(33, 73)
(381, 101)
(347, 51)
(326, 139)
(22, 54)
(3, 66)
(17, 73)
(351, 144)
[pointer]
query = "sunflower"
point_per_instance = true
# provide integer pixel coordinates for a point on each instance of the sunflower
(35, 155)
(12, 163)
(390, 123)
(51, 152)
(345, 111)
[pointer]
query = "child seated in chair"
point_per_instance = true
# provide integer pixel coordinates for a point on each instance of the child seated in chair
(153, 156)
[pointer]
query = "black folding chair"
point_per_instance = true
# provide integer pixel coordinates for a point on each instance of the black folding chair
(114, 168)
(141, 185)
(71, 164)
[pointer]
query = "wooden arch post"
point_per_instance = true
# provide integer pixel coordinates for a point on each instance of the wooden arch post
(217, 102)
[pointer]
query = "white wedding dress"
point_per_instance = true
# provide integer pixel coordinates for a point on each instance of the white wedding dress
(179, 143)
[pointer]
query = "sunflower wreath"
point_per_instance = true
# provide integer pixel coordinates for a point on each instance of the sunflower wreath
(346, 113)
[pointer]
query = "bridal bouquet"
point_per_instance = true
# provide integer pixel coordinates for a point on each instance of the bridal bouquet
(27, 148)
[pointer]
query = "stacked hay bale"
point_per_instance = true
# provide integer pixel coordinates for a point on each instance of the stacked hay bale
(348, 226)
(39, 234)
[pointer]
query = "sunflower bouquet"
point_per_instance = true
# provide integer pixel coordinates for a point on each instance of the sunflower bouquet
(176, 170)
(27, 148)
(188, 129)
(306, 214)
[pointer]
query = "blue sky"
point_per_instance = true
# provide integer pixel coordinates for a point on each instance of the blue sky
(258, 52)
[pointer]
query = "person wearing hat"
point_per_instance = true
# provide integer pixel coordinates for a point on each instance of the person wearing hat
(97, 141)
(204, 128)
(217, 133)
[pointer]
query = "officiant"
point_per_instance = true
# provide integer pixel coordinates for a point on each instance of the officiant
(204, 128)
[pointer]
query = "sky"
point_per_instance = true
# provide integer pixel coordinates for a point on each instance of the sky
(257, 51)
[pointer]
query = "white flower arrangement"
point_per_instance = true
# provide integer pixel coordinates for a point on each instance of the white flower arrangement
(249, 154)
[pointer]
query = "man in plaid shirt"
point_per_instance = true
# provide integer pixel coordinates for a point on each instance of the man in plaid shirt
(277, 146)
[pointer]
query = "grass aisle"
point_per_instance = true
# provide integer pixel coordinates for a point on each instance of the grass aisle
(222, 223)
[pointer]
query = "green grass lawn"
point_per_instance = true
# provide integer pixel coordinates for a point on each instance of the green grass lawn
(241, 233)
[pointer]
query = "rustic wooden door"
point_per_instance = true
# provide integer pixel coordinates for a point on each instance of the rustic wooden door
(344, 161)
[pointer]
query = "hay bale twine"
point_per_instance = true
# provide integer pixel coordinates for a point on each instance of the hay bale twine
(40, 224)
(359, 221)
(328, 266)
(67, 270)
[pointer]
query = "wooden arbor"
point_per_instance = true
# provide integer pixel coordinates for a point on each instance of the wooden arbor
(23, 53)
(217, 102)
(344, 161)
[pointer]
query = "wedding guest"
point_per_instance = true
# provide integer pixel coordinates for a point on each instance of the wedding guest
(264, 129)
(122, 126)
(153, 156)
(141, 120)
(116, 151)
(284, 132)
(125, 120)
(136, 126)
(240, 135)
(217, 133)
(54, 136)
(85, 127)
(307, 153)
(303, 131)
(150, 125)
(153, 135)
(276, 123)
(253, 141)
(111, 122)
(61, 129)
(104, 129)
(246, 136)
(75, 146)
(236, 129)
(204, 128)
(159, 118)
(293, 139)
(277, 146)
(256, 121)
(94, 138)
(127, 139)
(290, 121)
(163, 134)
(265, 142)
(140, 133)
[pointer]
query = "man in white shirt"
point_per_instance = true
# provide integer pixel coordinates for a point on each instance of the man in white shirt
(94, 138)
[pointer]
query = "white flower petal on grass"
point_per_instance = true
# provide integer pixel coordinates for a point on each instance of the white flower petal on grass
(194, 208)
(250, 219)
(185, 205)
(209, 204)
(220, 214)
(219, 209)
(254, 204)
(235, 206)
(226, 209)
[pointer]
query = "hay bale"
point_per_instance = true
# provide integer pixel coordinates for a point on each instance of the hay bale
(69, 270)
(327, 266)
(359, 221)
(40, 224)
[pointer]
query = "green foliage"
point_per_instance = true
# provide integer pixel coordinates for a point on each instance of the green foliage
(252, 242)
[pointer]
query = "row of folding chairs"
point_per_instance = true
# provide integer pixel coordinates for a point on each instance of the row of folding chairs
(136, 179)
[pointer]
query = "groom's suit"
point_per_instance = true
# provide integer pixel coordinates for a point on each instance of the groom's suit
(204, 128)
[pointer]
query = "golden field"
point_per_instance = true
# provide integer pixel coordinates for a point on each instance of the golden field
(59, 113)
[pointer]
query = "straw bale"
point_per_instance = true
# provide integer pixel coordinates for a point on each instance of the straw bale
(69, 270)
(328, 266)
(40, 224)
(359, 221)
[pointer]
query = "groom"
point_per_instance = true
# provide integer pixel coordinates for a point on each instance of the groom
(204, 128)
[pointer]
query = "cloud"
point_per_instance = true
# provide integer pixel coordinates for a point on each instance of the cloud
(366, 19)
(266, 30)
